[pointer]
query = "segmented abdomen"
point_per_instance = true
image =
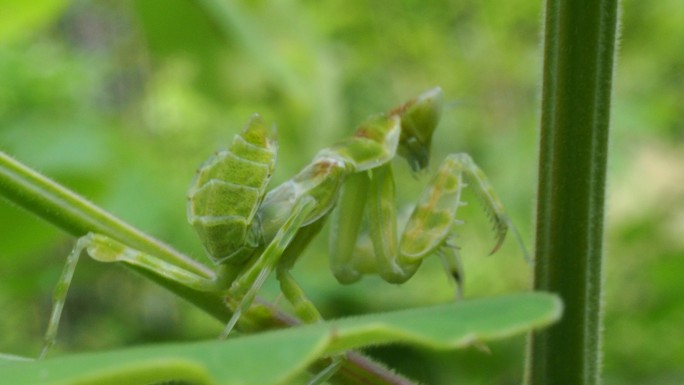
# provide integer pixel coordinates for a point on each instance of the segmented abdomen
(227, 190)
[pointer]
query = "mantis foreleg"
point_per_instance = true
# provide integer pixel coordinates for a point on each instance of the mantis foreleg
(428, 230)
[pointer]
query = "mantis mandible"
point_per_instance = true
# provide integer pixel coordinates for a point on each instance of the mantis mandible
(249, 232)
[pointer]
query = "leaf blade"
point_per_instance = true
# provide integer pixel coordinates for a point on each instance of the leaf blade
(277, 357)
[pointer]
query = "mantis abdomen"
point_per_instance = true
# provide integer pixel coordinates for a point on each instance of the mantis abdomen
(228, 189)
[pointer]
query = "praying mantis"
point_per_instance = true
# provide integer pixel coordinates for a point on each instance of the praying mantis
(250, 232)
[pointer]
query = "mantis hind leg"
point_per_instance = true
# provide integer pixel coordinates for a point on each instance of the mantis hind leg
(105, 249)
(60, 294)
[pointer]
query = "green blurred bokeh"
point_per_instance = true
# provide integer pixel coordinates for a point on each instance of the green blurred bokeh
(121, 101)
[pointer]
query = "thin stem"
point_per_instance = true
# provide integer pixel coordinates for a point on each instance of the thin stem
(578, 68)
(77, 216)
(74, 214)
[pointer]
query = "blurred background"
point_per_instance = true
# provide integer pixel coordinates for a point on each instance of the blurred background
(122, 100)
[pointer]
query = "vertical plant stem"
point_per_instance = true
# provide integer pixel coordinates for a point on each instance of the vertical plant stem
(579, 51)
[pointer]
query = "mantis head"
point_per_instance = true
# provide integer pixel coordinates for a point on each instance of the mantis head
(419, 118)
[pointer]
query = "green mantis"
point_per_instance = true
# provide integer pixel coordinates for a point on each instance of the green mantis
(250, 232)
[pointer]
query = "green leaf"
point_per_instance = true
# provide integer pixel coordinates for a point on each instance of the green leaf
(278, 357)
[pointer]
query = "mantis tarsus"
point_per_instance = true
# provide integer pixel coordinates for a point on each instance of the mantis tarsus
(248, 231)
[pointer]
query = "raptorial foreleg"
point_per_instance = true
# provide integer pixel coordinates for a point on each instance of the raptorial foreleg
(429, 229)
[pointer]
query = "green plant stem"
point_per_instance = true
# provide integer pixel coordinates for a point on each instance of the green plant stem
(579, 51)
(72, 213)
(77, 216)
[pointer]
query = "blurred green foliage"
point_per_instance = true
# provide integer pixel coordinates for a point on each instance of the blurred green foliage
(121, 101)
